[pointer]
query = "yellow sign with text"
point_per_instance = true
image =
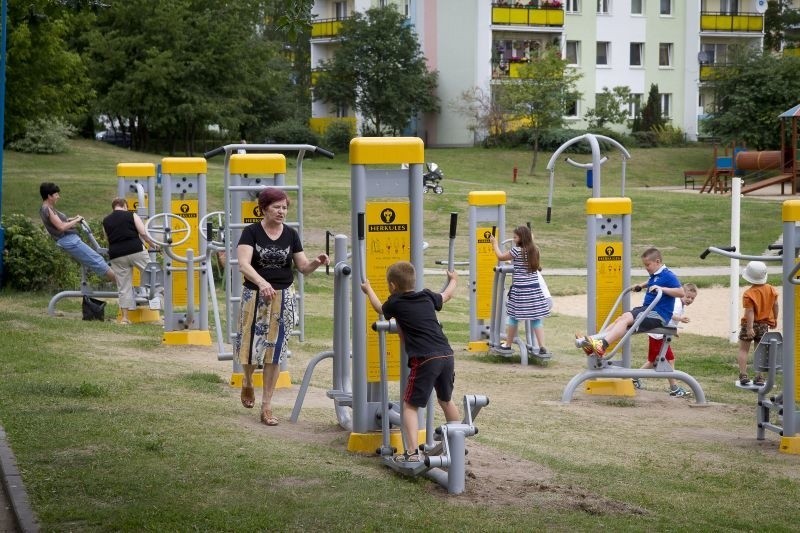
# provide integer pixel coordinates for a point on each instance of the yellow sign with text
(484, 273)
(387, 239)
(608, 276)
(189, 211)
(250, 212)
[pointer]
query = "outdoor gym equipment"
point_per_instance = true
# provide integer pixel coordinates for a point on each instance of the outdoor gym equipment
(602, 368)
(244, 176)
(608, 245)
(785, 352)
(387, 205)
(86, 289)
(186, 268)
(487, 280)
(136, 182)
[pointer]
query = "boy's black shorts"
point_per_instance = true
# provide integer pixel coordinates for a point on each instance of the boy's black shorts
(651, 321)
(429, 373)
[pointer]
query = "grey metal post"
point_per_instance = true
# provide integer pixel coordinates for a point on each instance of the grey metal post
(358, 193)
(790, 244)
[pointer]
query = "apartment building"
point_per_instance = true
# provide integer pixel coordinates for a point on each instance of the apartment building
(675, 44)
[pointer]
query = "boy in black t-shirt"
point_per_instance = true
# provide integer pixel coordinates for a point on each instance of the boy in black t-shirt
(430, 356)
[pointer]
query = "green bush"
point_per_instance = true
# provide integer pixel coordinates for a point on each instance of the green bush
(669, 135)
(44, 136)
(338, 135)
(645, 139)
(32, 261)
(291, 132)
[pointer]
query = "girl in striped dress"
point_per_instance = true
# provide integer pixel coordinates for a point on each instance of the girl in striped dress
(526, 299)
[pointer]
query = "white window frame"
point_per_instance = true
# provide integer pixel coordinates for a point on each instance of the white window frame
(607, 46)
(577, 45)
(640, 46)
(641, 7)
(666, 104)
(603, 7)
(670, 49)
(665, 8)
(573, 6)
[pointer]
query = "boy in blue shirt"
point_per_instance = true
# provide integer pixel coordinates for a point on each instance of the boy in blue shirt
(659, 316)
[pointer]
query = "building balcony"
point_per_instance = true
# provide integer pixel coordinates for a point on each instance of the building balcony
(325, 28)
(320, 124)
(507, 69)
(527, 16)
(709, 71)
(728, 22)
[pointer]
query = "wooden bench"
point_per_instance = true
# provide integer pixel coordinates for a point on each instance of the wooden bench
(690, 175)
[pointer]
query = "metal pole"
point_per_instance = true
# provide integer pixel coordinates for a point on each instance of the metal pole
(3, 10)
(733, 307)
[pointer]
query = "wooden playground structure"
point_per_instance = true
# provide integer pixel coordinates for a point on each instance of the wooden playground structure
(762, 168)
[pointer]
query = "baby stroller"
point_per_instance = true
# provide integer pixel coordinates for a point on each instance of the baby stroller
(432, 177)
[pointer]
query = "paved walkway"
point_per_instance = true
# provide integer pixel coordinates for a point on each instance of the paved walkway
(15, 511)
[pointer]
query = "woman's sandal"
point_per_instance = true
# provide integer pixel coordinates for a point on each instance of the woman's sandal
(267, 417)
(248, 397)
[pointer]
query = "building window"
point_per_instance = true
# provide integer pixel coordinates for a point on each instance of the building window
(573, 6)
(573, 52)
(603, 49)
(341, 111)
(729, 7)
(635, 105)
(602, 6)
(665, 54)
(340, 10)
(571, 106)
(666, 104)
(713, 53)
(666, 7)
(637, 7)
(637, 54)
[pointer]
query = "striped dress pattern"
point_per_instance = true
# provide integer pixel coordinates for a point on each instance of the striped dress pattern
(526, 301)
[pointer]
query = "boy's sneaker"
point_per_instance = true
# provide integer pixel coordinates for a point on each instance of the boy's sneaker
(759, 380)
(590, 345)
(543, 351)
(744, 380)
(637, 383)
(679, 392)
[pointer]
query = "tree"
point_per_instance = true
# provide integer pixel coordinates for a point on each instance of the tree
(610, 107)
(45, 79)
(779, 19)
(378, 69)
(540, 95)
(207, 63)
(651, 116)
(484, 115)
(749, 94)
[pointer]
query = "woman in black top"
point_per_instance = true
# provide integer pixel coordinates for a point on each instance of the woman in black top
(125, 232)
(266, 251)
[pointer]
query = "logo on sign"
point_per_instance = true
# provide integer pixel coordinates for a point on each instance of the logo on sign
(486, 235)
(257, 212)
(388, 216)
(184, 209)
(609, 251)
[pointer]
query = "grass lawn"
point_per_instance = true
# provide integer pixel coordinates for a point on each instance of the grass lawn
(114, 431)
